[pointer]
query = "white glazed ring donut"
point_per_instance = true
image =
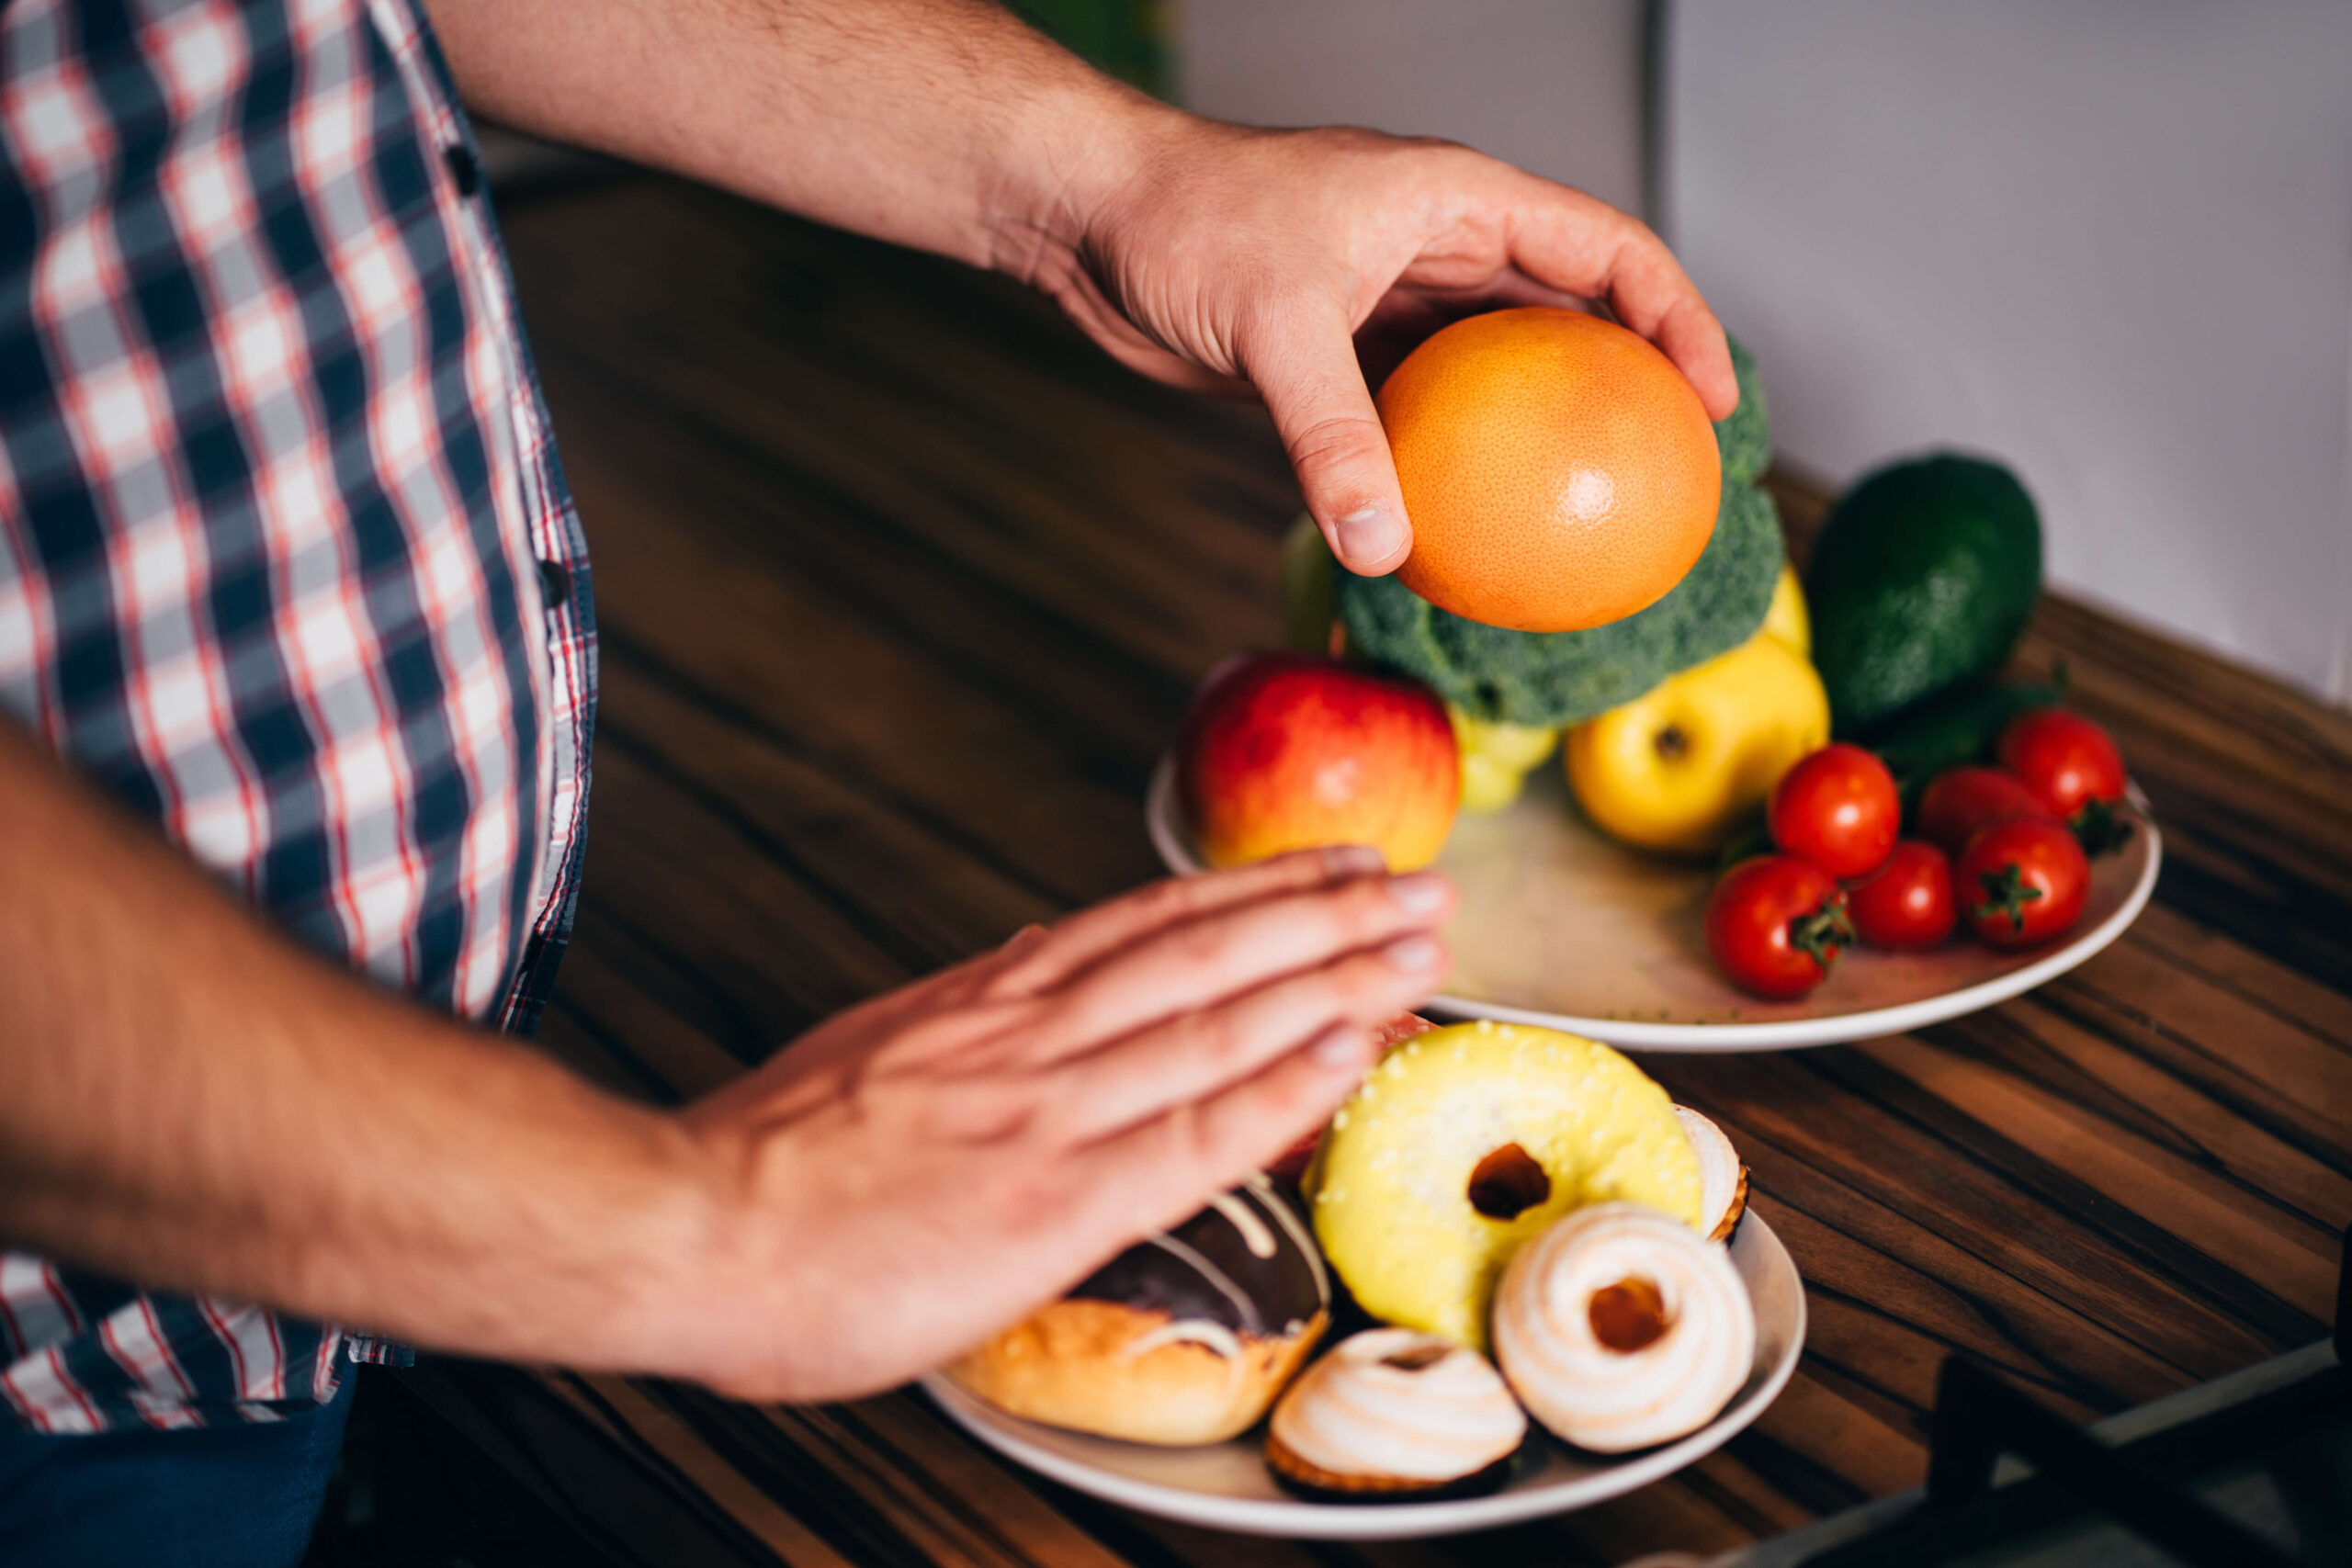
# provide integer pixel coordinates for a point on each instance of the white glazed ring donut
(1723, 1181)
(1389, 1403)
(1621, 1328)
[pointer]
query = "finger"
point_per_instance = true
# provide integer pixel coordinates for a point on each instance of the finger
(1086, 937)
(975, 978)
(1203, 962)
(1304, 364)
(1022, 943)
(966, 979)
(1151, 1175)
(1582, 245)
(1421, 305)
(1198, 1055)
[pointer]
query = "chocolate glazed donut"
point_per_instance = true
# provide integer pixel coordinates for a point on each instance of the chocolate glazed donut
(1185, 1337)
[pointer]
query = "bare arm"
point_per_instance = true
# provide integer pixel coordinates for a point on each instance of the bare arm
(193, 1103)
(1283, 263)
(949, 125)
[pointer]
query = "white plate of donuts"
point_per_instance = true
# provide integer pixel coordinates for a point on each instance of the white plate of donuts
(1509, 1280)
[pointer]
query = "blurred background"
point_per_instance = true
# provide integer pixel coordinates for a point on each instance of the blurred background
(2106, 240)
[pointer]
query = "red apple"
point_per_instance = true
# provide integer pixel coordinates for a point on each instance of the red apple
(1283, 751)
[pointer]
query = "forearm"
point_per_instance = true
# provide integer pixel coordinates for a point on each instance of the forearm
(195, 1103)
(945, 124)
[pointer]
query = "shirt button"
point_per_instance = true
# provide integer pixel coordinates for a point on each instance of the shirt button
(464, 168)
(555, 584)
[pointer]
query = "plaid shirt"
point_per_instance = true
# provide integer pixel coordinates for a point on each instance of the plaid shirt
(286, 566)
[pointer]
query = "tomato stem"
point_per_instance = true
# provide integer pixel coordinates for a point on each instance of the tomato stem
(2102, 826)
(2007, 894)
(1822, 934)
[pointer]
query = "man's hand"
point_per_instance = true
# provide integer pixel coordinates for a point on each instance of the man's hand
(926, 1168)
(1299, 262)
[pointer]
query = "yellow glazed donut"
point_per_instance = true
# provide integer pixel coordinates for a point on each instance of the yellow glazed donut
(1467, 1142)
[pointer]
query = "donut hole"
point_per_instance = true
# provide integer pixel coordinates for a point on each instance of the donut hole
(1628, 1316)
(1413, 1358)
(1507, 1183)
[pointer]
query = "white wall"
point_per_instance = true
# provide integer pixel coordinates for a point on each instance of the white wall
(1552, 86)
(2109, 241)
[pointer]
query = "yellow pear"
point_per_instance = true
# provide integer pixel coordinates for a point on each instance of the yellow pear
(1496, 757)
(1310, 594)
(1679, 769)
(1786, 620)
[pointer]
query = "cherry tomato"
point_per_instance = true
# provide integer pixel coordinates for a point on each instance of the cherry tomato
(1839, 809)
(1776, 925)
(2064, 758)
(2022, 881)
(1963, 801)
(1908, 902)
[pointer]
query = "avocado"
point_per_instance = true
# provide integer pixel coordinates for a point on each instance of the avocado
(1745, 436)
(1954, 727)
(1922, 578)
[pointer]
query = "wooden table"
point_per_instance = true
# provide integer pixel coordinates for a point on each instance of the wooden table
(903, 587)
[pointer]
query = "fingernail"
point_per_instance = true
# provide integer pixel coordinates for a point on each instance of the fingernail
(1343, 861)
(1372, 535)
(1423, 893)
(1339, 1047)
(1411, 954)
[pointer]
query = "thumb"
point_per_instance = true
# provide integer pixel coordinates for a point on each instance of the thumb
(1313, 387)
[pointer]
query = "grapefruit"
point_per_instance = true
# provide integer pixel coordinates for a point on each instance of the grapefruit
(1559, 472)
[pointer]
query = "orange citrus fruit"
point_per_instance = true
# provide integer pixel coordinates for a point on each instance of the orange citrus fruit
(1558, 470)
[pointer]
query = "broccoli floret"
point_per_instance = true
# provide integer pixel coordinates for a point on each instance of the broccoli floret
(1745, 438)
(1546, 678)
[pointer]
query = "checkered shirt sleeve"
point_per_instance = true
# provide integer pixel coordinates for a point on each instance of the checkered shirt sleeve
(286, 564)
